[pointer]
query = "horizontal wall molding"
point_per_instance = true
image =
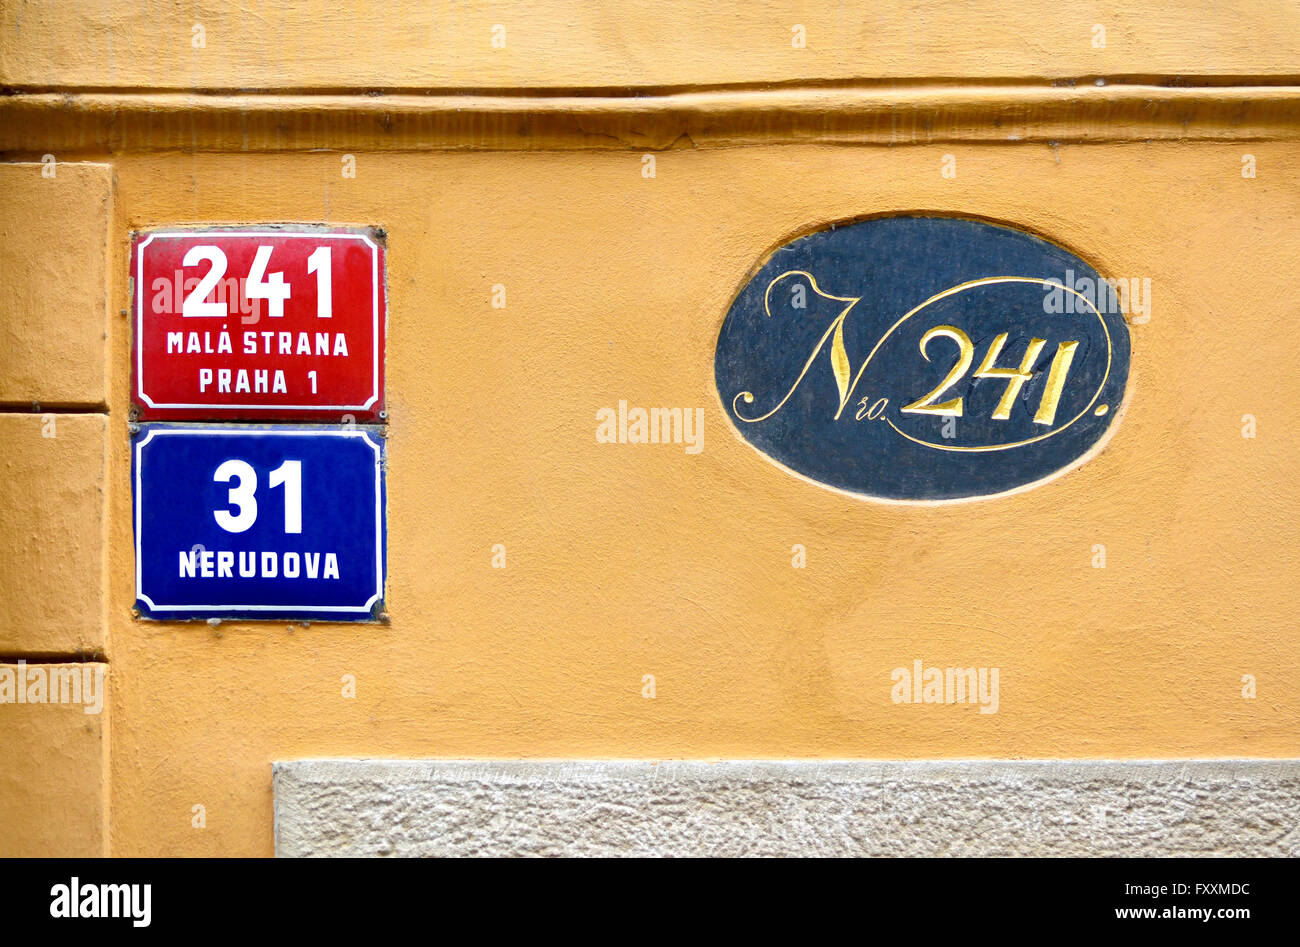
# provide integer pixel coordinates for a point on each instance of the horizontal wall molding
(416, 44)
(96, 122)
(787, 808)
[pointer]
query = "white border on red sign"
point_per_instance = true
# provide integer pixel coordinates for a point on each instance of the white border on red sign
(139, 321)
(201, 432)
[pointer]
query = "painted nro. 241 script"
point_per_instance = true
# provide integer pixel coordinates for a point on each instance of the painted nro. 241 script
(924, 358)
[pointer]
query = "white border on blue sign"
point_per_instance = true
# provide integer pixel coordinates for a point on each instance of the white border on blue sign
(200, 432)
(139, 321)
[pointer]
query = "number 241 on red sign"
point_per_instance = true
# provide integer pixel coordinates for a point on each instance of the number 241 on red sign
(258, 324)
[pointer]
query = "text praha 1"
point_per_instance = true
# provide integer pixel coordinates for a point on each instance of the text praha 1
(308, 346)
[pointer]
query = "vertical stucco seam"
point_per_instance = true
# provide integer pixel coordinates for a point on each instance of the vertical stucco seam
(113, 327)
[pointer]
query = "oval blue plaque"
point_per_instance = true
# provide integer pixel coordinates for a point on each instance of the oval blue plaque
(920, 358)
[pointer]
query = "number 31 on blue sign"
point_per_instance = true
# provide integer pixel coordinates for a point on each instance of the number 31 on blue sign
(268, 522)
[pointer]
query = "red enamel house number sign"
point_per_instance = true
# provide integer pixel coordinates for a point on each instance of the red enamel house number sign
(258, 324)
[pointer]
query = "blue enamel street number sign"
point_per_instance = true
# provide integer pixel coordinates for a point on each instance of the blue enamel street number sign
(269, 522)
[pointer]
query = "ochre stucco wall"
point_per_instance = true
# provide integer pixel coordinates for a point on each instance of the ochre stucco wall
(396, 44)
(625, 561)
(628, 560)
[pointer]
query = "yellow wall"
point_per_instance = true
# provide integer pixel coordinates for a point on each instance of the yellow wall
(625, 561)
(563, 44)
